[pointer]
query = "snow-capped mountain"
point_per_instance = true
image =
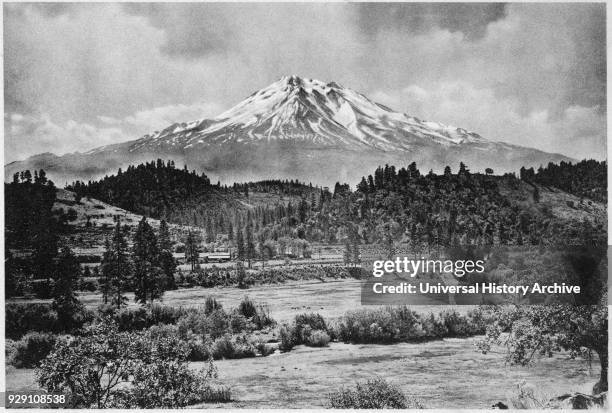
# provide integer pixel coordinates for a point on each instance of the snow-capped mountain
(308, 111)
(307, 129)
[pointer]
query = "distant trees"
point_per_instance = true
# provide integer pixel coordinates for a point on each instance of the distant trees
(152, 189)
(587, 178)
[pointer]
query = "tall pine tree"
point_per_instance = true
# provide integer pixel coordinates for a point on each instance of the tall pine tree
(166, 259)
(149, 279)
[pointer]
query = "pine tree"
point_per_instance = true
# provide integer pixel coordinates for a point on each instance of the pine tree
(65, 301)
(149, 279)
(117, 267)
(240, 245)
(166, 259)
(230, 232)
(302, 210)
(249, 244)
(356, 253)
(192, 249)
(347, 253)
(104, 281)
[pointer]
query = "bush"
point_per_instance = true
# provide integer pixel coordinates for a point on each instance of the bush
(238, 323)
(163, 314)
(457, 324)
(106, 368)
(132, 319)
(434, 327)
(211, 305)
(22, 318)
(262, 318)
(264, 349)
(286, 338)
(373, 394)
(197, 349)
(232, 347)
(305, 325)
(317, 338)
(32, 348)
(369, 326)
(216, 324)
(247, 307)
(400, 324)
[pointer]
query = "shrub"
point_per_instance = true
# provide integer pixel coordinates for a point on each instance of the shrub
(264, 349)
(31, 349)
(457, 324)
(21, 318)
(170, 384)
(132, 319)
(262, 318)
(400, 324)
(232, 347)
(238, 323)
(163, 314)
(373, 394)
(197, 350)
(216, 324)
(107, 368)
(211, 305)
(317, 338)
(434, 327)
(304, 324)
(247, 307)
(369, 326)
(286, 338)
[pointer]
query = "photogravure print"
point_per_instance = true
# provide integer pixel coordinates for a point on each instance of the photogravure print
(305, 205)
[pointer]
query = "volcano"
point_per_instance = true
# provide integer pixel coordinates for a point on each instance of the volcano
(298, 128)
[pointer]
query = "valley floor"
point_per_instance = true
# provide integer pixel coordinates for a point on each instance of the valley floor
(449, 373)
(444, 374)
(331, 298)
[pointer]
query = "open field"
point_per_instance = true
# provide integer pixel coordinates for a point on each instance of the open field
(443, 374)
(331, 298)
(449, 373)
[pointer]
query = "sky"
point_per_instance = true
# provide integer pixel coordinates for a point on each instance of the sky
(79, 76)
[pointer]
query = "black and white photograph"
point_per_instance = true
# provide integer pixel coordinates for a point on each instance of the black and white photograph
(305, 205)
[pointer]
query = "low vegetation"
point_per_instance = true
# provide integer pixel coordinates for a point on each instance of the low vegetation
(372, 394)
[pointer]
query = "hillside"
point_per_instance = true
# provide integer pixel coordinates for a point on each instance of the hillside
(403, 205)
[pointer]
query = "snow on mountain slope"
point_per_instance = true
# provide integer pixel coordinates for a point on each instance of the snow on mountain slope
(297, 128)
(308, 111)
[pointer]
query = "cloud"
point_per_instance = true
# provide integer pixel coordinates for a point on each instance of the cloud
(580, 131)
(135, 66)
(28, 134)
(146, 121)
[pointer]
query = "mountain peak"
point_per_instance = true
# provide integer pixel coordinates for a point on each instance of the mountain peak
(311, 112)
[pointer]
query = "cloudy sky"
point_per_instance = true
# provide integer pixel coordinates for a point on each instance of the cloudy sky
(78, 76)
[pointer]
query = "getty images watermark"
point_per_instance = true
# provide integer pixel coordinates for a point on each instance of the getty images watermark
(483, 275)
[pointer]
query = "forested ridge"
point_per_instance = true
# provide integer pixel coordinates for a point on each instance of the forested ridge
(402, 204)
(585, 179)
